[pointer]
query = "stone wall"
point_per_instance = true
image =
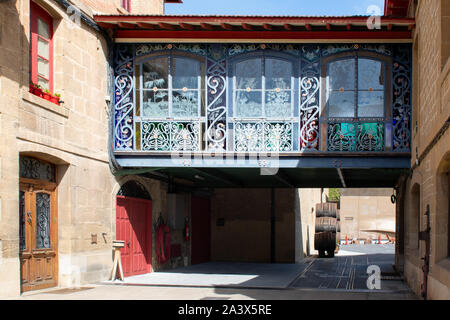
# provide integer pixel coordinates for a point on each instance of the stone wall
(114, 6)
(431, 150)
(73, 136)
(13, 42)
(305, 218)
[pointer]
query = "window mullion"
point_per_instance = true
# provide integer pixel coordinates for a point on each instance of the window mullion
(169, 88)
(39, 56)
(234, 96)
(199, 94)
(41, 76)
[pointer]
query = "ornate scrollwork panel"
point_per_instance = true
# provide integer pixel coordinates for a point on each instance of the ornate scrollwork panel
(401, 104)
(216, 133)
(341, 136)
(263, 136)
(32, 168)
(370, 137)
(309, 98)
(43, 220)
(123, 98)
(170, 136)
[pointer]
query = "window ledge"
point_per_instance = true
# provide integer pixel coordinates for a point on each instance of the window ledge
(41, 102)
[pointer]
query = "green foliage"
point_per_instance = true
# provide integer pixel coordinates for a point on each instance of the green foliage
(333, 194)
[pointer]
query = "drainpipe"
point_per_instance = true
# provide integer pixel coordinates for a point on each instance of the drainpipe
(425, 236)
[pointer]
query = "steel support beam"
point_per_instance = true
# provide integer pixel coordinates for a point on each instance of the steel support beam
(218, 176)
(341, 176)
(281, 176)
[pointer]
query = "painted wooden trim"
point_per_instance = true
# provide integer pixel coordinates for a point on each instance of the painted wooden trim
(37, 12)
(263, 35)
(255, 40)
(218, 19)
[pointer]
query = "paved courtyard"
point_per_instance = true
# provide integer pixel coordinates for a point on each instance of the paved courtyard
(343, 277)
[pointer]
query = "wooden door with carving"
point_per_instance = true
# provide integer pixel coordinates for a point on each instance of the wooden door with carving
(38, 234)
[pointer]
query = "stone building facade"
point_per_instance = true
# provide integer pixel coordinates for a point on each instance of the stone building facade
(72, 137)
(58, 179)
(428, 184)
(62, 150)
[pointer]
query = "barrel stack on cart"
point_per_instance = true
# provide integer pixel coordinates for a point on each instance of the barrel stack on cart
(327, 230)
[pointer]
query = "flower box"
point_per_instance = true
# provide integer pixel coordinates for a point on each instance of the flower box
(54, 99)
(46, 95)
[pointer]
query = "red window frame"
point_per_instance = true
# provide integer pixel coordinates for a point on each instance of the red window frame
(126, 4)
(35, 13)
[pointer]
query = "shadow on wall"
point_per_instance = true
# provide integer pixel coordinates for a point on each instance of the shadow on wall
(13, 41)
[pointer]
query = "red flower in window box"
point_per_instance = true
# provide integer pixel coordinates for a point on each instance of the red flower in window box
(36, 89)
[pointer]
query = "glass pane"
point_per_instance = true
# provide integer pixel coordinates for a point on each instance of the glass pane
(341, 104)
(341, 75)
(22, 220)
(42, 220)
(185, 103)
(249, 74)
(278, 103)
(370, 74)
(155, 104)
(248, 104)
(43, 29)
(43, 68)
(43, 48)
(341, 137)
(370, 103)
(43, 83)
(185, 73)
(278, 74)
(155, 73)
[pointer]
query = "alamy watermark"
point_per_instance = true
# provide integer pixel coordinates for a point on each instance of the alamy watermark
(374, 279)
(374, 21)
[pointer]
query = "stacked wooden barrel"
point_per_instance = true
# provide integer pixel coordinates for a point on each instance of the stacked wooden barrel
(327, 229)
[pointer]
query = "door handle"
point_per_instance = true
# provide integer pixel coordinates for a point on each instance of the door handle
(128, 244)
(29, 219)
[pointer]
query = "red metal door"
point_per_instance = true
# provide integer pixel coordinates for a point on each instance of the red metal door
(133, 225)
(201, 230)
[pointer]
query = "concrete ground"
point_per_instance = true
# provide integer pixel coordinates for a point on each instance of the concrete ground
(107, 292)
(343, 277)
(222, 274)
